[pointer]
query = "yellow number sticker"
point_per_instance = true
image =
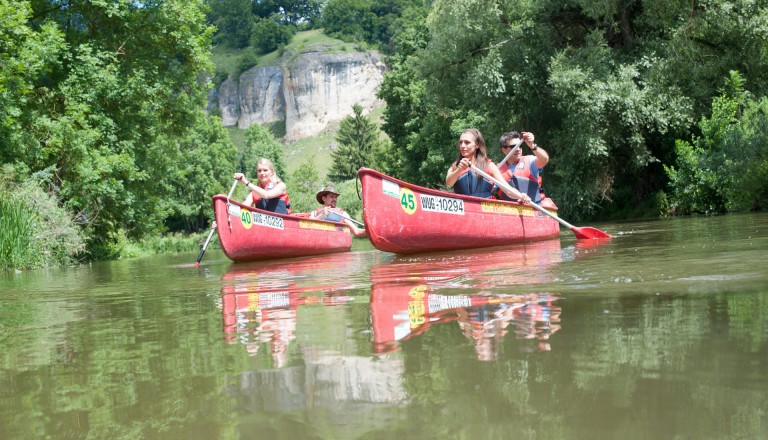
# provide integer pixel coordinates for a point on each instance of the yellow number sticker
(407, 200)
(245, 219)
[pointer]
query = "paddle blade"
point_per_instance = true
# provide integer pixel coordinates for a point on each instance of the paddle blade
(588, 233)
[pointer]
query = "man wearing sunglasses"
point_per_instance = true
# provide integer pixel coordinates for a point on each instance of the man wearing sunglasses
(522, 172)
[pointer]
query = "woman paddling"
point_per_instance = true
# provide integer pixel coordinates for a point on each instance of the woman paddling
(472, 151)
(269, 193)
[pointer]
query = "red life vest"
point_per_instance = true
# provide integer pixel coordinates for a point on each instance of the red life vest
(280, 204)
(521, 178)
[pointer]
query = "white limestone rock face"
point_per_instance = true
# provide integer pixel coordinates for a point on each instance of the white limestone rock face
(313, 91)
(261, 96)
(322, 88)
(229, 102)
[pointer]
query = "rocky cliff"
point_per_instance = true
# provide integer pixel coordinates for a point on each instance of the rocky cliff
(312, 91)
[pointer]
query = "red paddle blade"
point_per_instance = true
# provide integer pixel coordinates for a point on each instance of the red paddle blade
(587, 233)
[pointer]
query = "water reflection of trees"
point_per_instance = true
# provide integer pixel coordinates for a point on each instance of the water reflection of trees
(138, 352)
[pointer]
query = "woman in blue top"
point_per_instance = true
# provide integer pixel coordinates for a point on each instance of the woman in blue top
(472, 151)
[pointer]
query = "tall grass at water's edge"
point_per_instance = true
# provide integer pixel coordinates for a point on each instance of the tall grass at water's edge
(16, 248)
(34, 230)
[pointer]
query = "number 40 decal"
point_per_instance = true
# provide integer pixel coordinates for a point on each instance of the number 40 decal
(245, 219)
(407, 200)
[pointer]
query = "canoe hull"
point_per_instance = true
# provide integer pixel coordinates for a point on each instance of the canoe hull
(404, 218)
(248, 234)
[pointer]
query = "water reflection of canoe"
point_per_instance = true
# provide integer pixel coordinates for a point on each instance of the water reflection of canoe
(267, 305)
(405, 218)
(411, 294)
(512, 265)
(260, 300)
(247, 233)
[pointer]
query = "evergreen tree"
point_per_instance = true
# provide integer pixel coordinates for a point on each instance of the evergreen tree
(358, 140)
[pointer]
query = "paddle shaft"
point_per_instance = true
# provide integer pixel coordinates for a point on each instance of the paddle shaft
(514, 191)
(359, 223)
(356, 222)
(506, 158)
(205, 246)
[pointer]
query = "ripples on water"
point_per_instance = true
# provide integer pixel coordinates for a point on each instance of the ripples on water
(660, 332)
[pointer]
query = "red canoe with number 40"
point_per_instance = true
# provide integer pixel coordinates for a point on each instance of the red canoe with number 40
(248, 234)
(405, 218)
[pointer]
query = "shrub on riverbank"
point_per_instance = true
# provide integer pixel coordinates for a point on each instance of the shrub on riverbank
(123, 247)
(34, 230)
(726, 168)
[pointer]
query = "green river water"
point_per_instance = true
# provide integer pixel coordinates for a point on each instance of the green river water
(659, 333)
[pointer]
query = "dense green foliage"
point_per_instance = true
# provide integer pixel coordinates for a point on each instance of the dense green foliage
(110, 96)
(260, 142)
(606, 87)
(262, 24)
(303, 183)
(372, 21)
(35, 230)
(726, 168)
(358, 139)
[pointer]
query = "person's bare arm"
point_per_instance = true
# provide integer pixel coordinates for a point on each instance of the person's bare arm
(455, 172)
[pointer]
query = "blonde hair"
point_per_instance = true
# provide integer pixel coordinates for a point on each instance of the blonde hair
(266, 162)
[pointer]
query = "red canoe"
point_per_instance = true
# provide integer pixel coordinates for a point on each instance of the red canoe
(404, 218)
(248, 234)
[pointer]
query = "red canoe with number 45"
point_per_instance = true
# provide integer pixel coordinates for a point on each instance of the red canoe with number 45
(404, 218)
(248, 234)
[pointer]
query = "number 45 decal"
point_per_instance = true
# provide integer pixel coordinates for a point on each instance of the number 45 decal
(407, 200)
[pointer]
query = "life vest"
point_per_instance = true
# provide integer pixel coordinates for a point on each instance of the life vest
(280, 204)
(471, 184)
(336, 214)
(522, 178)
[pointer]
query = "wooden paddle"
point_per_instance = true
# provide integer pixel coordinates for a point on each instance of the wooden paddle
(205, 246)
(582, 233)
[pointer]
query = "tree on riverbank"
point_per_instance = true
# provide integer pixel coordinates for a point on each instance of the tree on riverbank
(606, 87)
(726, 168)
(359, 143)
(35, 230)
(111, 97)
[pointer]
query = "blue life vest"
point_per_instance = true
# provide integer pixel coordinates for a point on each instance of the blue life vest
(276, 205)
(333, 216)
(470, 184)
